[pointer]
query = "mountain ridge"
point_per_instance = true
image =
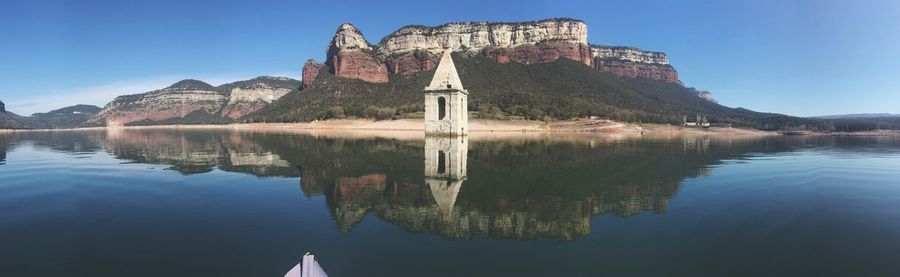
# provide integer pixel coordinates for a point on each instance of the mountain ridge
(62, 118)
(223, 103)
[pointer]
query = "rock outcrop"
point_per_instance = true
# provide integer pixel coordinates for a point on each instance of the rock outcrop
(633, 62)
(479, 35)
(350, 56)
(706, 95)
(635, 69)
(245, 97)
(196, 99)
(310, 72)
(174, 101)
(541, 53)
(410, 63)
(2, 107)
(413, 49)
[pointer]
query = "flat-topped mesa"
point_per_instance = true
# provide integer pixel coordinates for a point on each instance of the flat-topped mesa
(628, 54)
(349, 56)
(413, 49)
(406, 50)
(633, 62)
(475, 36)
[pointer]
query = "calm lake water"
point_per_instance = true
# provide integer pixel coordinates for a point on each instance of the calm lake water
(218, 203)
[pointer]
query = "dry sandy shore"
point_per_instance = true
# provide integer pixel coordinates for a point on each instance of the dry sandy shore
(413, 128)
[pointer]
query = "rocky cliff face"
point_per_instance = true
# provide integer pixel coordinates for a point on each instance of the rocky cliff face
(245, 97)
(633, 62)
(174, 101)
(414, 49)
(350, 56)
(190, 97)
(410, 63)
(477, 36)
(541, 53)
(310, 72)
(2, 107)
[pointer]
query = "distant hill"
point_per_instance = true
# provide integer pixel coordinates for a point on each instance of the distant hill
(9, 120)
(68, 117)
(206, 104)
(856, 116)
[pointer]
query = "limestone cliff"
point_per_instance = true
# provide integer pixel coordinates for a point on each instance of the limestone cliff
(414, 49)
(193, 97)
(174, 101)
(249, 96)
(476, 36)
(633, 62)
(350, 56)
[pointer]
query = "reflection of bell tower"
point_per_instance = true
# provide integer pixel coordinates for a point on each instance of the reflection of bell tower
(445, 169)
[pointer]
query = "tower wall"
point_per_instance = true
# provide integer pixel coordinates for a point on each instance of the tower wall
(456, 118)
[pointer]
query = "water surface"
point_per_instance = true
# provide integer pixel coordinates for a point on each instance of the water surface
(219, 203)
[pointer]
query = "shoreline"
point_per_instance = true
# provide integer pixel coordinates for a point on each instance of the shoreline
(480, 127)
(580, 126)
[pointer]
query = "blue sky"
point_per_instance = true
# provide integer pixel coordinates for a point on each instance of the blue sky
(794, 57)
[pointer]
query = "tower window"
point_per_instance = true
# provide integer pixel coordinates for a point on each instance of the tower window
(442, 108)
(442, 164)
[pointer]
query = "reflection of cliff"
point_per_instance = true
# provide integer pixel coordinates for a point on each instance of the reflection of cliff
(196, 152)
(3, 144)
(519, 189)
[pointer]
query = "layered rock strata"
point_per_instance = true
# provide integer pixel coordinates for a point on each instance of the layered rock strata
(413, 49)
(232, 100)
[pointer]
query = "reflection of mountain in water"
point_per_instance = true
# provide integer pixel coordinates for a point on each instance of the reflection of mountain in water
(518, 189)
(198, 152)
(4, 141)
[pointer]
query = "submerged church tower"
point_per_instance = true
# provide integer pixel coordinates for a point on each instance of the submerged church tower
(445, 169)
(446, 101)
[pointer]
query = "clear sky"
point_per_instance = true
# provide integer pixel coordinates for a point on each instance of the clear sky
(800, 58)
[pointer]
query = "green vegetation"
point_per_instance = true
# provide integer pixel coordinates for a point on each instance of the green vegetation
(68, 117)
(562, 89)
(195, 117)
(277, 82)
(559, 90)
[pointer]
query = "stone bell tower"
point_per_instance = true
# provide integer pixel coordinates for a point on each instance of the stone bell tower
(446, 101)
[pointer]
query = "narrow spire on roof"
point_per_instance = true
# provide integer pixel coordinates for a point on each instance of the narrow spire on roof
(445, 77)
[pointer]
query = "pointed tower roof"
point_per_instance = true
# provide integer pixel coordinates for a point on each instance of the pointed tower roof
(445, 192)
(445, 77)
